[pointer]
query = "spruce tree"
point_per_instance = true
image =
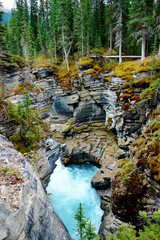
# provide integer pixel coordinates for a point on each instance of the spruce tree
(81, 221)
(64, 28)
(53, 30)
(140, 21)
(157, 13)
(118, 13)
(110, 19)
(2, 29)
(78, 26)
(33, 22)
(88, 24)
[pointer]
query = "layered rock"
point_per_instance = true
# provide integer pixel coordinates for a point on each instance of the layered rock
(25, 211)
(81, 120)
(138, 177)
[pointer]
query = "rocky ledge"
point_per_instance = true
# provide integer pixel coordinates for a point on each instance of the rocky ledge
(25, 211)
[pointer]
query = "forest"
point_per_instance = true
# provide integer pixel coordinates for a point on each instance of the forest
(63, 28)
(66, 101)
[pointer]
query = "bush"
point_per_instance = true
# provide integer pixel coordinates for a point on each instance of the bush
(150, 231)
(27, 121)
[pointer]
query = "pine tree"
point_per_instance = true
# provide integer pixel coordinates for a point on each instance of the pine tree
(119, 26)
(78, 26)
(53, 30)
(90, 231)
(99, 22)
(25, 23)
(140, 21)
(88, 24)
(64, 28)
(109, 10)
(81, 221)
(2, 30)
(15, 33)
(33, 16)
(157, 13)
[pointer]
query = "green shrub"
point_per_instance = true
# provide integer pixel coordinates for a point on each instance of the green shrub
(28, 122)
(149, 231)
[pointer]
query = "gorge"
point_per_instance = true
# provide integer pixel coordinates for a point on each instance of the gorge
(70, 186)
(99, 119)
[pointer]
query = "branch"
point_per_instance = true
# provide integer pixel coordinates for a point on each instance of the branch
(65, 58)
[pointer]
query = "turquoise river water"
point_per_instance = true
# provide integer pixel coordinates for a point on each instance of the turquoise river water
(69, 187)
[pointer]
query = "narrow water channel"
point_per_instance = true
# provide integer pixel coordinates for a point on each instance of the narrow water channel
(69, 187)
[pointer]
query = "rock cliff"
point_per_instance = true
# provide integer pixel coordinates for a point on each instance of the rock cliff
(25, 211)
(101, 119)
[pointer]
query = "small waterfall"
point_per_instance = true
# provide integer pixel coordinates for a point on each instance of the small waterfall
(69, 187)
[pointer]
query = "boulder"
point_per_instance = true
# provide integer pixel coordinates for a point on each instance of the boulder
(102, 179)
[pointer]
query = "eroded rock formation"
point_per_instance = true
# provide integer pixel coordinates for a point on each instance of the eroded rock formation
(99, 121)
(25, 211)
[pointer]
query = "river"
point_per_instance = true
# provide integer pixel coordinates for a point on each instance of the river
(70, 186)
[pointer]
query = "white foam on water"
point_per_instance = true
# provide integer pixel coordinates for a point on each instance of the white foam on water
(69, 187)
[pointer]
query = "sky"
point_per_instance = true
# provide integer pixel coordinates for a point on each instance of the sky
(8, 3)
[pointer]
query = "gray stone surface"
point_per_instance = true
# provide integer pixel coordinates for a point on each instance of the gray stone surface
(25, 211)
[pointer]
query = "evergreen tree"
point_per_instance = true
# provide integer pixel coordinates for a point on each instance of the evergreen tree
(109, 10)
(53, 30)
(85, 229)
(140, 21)
(88, 24)
(61, 27)
(150, 231)
(2, 30)
(33, 16)
(118, 13)
(64, 28)
(99, 22)
(157, 13)
(81, 221)
(90, 231)
(15, 33)
(25, 23)
(78, 26)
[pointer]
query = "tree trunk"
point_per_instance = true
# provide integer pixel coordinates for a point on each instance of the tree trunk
(120, 38)
(65, 59)
(110, 37)
(143, 48)
(64, 49)
(55, 48)
(110, 26)
(159, 50)
(88, 43)
(82, 35)
(82, 45)
(120, 48)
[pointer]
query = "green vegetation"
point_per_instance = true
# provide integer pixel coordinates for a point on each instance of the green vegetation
(148, 93)
(27, 120)
(32, 156)
(29, 127)
(81, 28)
(85, 230)
(126, 171)
(10, 174)
(150, 230)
